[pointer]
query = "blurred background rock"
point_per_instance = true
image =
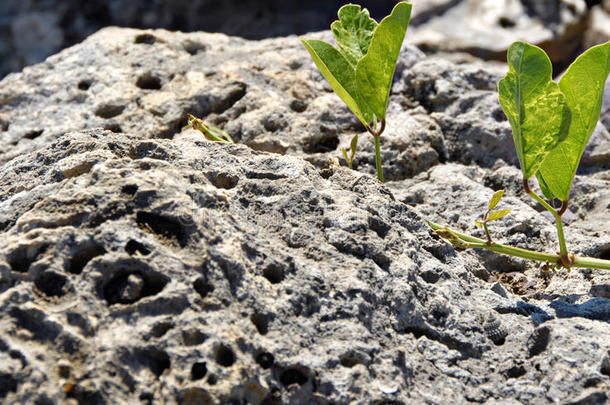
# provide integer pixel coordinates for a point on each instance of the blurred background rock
(31, 30)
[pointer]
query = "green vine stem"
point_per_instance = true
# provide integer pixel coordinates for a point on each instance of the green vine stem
(563, 249)
(459, 239)
(377, 134)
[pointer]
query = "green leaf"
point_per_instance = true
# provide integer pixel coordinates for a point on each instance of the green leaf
(498, 214)
(353, 32)
(344, 153)
(478, 223)
(354, 145)
(375, 70)
(583, 85)
(495, 199)
(340, 75)
(535, 106)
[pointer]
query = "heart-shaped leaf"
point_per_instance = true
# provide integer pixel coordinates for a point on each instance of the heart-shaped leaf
(583, 86)
(340, 75)
(375, 70)
(353, 32)
(535, 106)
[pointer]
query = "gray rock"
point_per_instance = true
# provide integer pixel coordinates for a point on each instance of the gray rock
(486, 29)
(145, 264)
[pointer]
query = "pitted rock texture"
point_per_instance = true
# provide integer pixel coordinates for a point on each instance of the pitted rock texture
(142, 264)
(191, 272)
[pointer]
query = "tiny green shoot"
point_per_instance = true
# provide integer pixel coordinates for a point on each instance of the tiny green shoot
(209, 131)
(491, 215)
(361, 68)
(551, 124)
(349, 159)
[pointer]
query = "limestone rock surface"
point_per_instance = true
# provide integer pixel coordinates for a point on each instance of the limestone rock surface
(140, 263)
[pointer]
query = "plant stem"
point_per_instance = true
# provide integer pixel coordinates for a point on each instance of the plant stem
(475, 242)
(563, 249)
(378, 159)
(376, 134)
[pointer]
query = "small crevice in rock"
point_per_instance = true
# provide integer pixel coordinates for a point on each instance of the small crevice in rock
(149, 81)
(194, 47)
(52, 284)
(294, 375)
(84, 84)
(109, 110)
(134, 246)
(165, 227)
(202, 287)
(33, 134)
(261, 322)
(83, 256)
(148, 39)
(127, 287)
(538, 341)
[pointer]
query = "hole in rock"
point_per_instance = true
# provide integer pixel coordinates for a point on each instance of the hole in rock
(222, 180)
(198, 371)
(109, 110)
(149, 82)
(194, 396)
(8, 383)
(274, 273)
(116, 128)
(380, 227)
(33, 134)
(212, 379)
(148, 39)
(224, 356)
(349, 360)
(80, 259)
(202, 287)
(127, 287)
(506, 22)
(193, 47)
(130, 189)
(539, 340)
(515, 372)
(166, 227)
(193, 337)
(4, 125)
(297, 105)
(51, 283)
(133, 246)
(84, 84)
(293, 376)
(430, 276)
(261, 323)
(265, 360)
(235, 92)
(323, 144)
(161, 328)
(155, 359)
(605, 368)
(22, 258)
(37, 323)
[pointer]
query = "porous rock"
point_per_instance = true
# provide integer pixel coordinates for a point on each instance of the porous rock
(145, 264)
(487, 28)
